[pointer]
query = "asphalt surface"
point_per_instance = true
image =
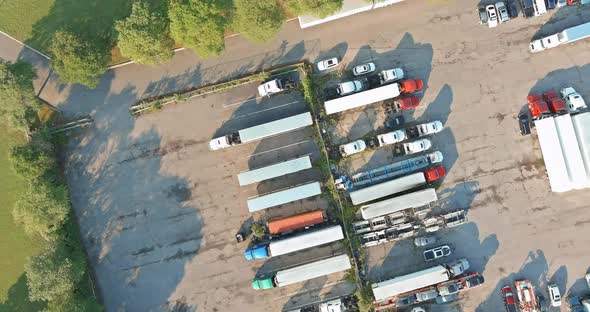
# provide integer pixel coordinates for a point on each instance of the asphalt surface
(148, 193)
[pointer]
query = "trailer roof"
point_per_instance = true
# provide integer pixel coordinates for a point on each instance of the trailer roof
(554, 161)
(578, 32)
(581, 124)
(275, 127)
(384, 189)
(312, 270)
(413, 281)
(362, 98)
(275, 170)
(284, 196)
(571, 152)
(306, 240)
(392, 205)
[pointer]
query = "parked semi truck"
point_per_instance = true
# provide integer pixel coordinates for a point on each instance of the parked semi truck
(276, 86)
(284, 196)
(262, 131)
(398, 185)
(303, 272)
(581, 124)
(408, 133)
(374, 95)
(387, 172)
(284, 225)
(526, 296)
(274, 170)
(568, 35)
(393, 205)
(420, 279)
(295, 243)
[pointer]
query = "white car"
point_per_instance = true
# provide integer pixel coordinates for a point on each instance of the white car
(327, 64)
(502, 12)
(492, 16)
(573, 100)
(349, 87)
(554, 295)
(391, 137)
(391, 75)
(417, 146)
(561, 3)
(352, 148)
(424, 241)
(363, 69)
(438, 252)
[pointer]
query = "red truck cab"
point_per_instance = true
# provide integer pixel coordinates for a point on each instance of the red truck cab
(435, 173)
(537, 107)
(406, 103)
(412, 85)
(555, 103)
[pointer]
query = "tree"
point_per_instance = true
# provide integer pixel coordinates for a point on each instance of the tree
(73, 303)
(34, 159)
(319, 8)
(53, 275)
(17, 97)
(144, 36)
(199, 25)
(77, 59)
(257, 230)
(258, 20)
(42, 209)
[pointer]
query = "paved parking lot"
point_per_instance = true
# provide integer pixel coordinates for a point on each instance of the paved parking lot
(158, 211)
(161, 210)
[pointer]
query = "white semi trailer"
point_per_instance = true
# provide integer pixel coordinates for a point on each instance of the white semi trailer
(262, 131)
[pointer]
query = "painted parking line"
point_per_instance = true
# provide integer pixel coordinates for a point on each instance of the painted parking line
(278, 148)
(264, 110)
(241, 102)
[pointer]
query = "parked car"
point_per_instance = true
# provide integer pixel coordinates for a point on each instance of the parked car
(349, 87)
(438, 252)
(473, 281)
(561, 3)
(527, 8)
(492, 16)
(448, 298)
(502, 12)
(426, 295)
(554, 295)
(411, 299)
(483, 14)
(363, 69)
(424, 241)
(448, 288)
(512, 8)
(327, 64)
(509, 299)
(550, 4)
(524, 122)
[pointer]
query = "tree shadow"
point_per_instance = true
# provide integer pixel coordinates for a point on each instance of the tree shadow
(17, 298)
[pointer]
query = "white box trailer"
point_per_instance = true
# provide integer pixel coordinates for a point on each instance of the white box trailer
(416, 280)
(571, 152)
(362, 98)
(262, 131)
(305, 241)
(413, 200)
(312, 270)
(384, 189)
(575, 33)
(284, 196)
(274, 171)
(581, 124)
(552, 155)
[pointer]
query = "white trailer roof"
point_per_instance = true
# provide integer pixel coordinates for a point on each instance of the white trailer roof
(552, 155)
(383, 189)
(275, 127)
(273, 171)
(402, 284)
(284, 196)
(571, 152)
(362, 98)
(392, 205)
(312, 270)
(307, 240)
(581, 124)
(578, 32)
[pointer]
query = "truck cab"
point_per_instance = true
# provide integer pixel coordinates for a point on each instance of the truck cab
(538, 108)
(435, 173)
(391, 75)
(555, 103)
(349, 87)
(430, 128)
(417, 146)
(573, 99)
(406, 103)
(352, 148)
(263, 283)
(412, 85)
(391, 137)
(270, 87)
(256, 252)
(458, 267)
(225, 141)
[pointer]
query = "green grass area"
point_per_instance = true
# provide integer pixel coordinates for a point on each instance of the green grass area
(15, 246)
(18, 17)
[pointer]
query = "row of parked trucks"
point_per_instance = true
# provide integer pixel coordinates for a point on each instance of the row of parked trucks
(568, 35)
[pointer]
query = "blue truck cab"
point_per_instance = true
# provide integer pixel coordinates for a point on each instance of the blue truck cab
(256, 252)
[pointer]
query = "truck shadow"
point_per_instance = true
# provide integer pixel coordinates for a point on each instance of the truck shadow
(565, 17)
(534, 268)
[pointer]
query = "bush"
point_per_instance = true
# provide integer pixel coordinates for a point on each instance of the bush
(17, 97)
(318, 8)
(34, 159)
(258, 230)
(258, 20)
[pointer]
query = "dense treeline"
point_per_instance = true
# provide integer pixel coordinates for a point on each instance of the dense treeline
(154, 27)
(57, 276)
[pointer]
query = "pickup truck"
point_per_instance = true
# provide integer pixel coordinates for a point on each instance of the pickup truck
(391, 75)
(573, 99)
(417, 146)
(349, 87)
(276, 86)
